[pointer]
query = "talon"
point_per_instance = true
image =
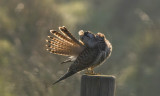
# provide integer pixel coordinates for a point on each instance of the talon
(91, 72)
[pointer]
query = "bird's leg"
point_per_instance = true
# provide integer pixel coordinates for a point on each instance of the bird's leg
(87, 71)
(90, 71)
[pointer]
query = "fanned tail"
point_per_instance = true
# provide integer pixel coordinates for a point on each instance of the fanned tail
(68, 74)
(63, 44)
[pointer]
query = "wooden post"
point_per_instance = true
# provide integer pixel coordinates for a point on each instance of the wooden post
(97, 85)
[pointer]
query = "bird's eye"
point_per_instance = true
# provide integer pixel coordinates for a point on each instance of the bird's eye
(86, 33)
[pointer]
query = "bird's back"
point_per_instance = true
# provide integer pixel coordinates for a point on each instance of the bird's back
(85, 59)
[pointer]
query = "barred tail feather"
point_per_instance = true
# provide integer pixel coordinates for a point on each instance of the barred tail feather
(59, 52)
(61, 48)
(62, 37)
(56, 41)
(64, 30)
(57, 47)
(62, 45)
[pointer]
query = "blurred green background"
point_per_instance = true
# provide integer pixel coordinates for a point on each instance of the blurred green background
(132, 26)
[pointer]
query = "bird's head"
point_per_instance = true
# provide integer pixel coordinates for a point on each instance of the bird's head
(100, 36)
(88, 38)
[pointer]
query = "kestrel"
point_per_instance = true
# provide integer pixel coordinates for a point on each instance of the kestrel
(87, 53)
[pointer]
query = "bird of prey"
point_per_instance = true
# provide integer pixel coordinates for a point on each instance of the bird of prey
(87, 53)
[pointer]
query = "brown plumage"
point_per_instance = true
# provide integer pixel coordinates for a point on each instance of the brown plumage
(88, 52)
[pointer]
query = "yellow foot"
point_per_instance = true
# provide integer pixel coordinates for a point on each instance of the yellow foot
(91, 72)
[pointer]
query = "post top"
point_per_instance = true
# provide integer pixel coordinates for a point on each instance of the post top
(99, 76)
(98, 85)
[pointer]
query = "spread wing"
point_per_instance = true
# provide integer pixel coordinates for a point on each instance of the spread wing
(64, 43)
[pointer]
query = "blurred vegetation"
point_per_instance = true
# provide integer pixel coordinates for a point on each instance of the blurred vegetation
(132, 26)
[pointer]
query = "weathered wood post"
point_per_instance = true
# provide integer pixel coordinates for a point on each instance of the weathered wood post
(97, 85)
